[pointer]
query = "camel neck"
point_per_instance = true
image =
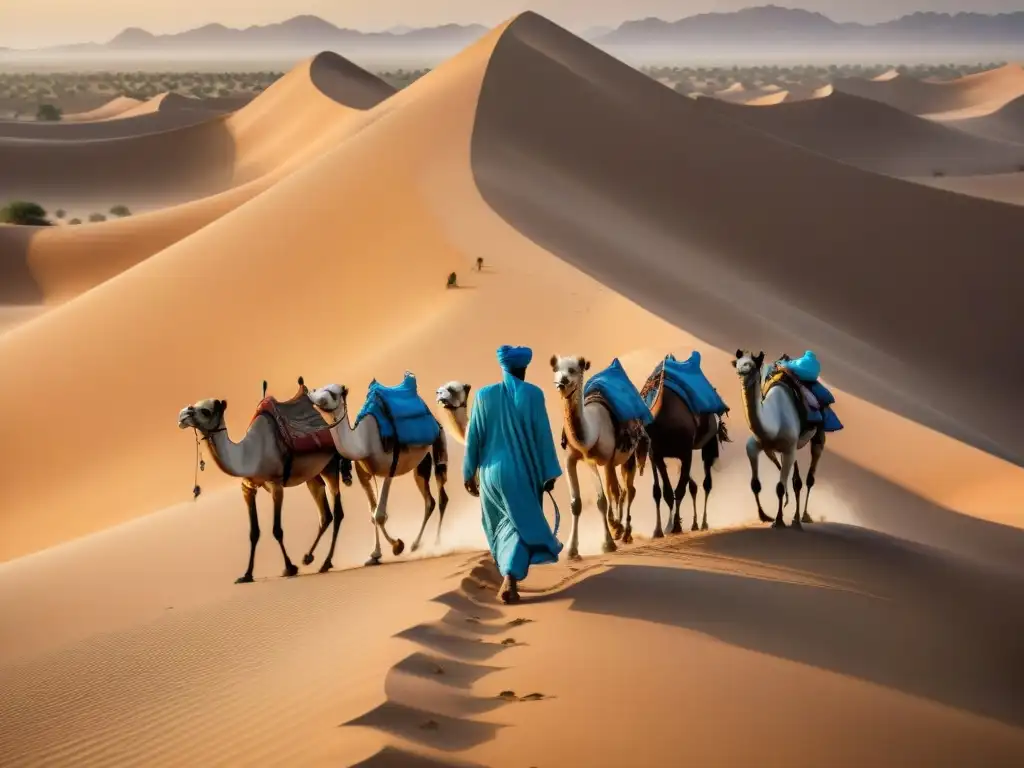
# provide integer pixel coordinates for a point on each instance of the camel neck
(579, 434)
(458, 420)
(751, 391)
(234, 459)
(350, 443)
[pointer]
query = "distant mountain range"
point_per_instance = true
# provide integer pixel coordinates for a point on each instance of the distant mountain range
(762, 24)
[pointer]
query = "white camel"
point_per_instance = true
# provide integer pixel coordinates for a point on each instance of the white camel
(453, 398)
(590, 436)
(775, 429)
(365, 447)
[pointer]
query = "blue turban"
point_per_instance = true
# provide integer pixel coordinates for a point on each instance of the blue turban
(514, 358)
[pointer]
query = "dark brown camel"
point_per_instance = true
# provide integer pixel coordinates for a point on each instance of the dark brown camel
(676, 433)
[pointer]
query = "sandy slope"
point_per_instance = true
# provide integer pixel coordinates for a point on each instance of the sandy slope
(875, 136)
(971, 95)
(837, 646)
(1004, 187)
(1005, 124)
(795, 228)
(113, 108)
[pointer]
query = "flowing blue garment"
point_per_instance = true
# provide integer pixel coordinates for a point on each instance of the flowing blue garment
(622, 396)
(688, 381)
(401, 413)
(509, 443)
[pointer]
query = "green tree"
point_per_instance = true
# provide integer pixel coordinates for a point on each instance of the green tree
(24, 213)
(49, 112)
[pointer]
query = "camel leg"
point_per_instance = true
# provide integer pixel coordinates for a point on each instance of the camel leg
(441, 475)
(753, 452)
(319, 494)
(817, 448)
(657, 464)
(692, 486)
(366, 480)
(277, 492)
(339, 515)
(685, 464)
(606, 483)
(610, 487)
(709, 453)
(249, 494)
(380, 517)
(780, 487)
(575, 504)
(797, 487)
(422, 476)
(628, 493)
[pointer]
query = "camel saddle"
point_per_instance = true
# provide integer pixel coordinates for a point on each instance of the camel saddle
(627, 435)
(300, 427)
(806, 402)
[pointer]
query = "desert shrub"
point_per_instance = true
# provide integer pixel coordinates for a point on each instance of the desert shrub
(74, 221)
(49, 112)
(60, 213)
(120, 211)
(24, 213)
(97, 217)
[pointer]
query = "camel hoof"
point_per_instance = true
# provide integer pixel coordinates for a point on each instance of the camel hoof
(763, 517)
(247, 579)
(398, 547)
(695, 527)
(608, 547)
(372, 561)
(676, 530)
(290, 570)
(414, 547)
(778, 524)
(658, 534)
(627, 538)
(307, 559)
(326, 567)
(704, 526)
(574, 556)
(806, 518)
(796, 526)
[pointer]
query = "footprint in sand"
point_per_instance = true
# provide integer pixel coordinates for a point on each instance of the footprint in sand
(519, 622)
(509, 641)
(511, 696)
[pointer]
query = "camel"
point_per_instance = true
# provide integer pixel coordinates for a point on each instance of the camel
(675, 433)
(365, 447)
(453, 398)
(774, 422)
(269, 459)
(591, 436)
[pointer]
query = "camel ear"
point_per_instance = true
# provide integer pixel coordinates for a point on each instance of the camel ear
(585, 364)
(759, 359)
(466, 388)
(739, 353)
(222, 405)
(734, 362)
(554, 362)
(344, 392)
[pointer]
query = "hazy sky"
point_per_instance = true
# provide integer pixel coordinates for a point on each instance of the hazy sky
(46, 22)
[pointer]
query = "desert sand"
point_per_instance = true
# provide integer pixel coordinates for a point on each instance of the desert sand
(886, 633)
(1004, 124)
(1004, 187)
(875, 136)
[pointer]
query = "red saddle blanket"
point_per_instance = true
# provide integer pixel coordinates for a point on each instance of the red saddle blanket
(300, 427)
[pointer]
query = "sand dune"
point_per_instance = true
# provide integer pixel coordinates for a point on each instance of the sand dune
(116, 106)
(875, 136)
(971, 95)
(602, 234)
(1004, 124)
(768, 99)
(1004, 187)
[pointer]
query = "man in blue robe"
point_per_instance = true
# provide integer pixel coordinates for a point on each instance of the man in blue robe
(509, 445)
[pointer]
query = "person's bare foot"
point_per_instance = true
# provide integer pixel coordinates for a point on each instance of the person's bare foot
(509, 592)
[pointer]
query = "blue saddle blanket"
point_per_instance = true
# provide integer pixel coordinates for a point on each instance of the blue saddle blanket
(400, 413)
(824, 415)
(622, 396)
(688, 381)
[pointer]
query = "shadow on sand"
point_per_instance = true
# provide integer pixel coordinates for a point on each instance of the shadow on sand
(907, 617)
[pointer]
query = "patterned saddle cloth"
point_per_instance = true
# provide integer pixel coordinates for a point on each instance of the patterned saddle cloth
(300, 427)
(628, 434)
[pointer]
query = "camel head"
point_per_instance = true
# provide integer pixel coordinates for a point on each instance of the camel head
(453, 395)
(569, 373)
(748, 364)
(331, 398)
(207, 416)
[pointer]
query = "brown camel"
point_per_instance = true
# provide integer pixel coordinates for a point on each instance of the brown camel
(676, 433)
(290, 445)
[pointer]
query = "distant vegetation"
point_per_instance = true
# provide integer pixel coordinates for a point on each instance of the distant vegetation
(120, 211)
(97, 217)
(710, 80)
(24, 213)
(53, 95)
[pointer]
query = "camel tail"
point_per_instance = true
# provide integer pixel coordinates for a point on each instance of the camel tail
(723, 432)
(439, 450)
(642, 451)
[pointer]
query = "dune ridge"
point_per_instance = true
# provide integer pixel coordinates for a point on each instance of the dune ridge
(975, 94)
(1004, 124)
(875, 136)
(116, 106)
